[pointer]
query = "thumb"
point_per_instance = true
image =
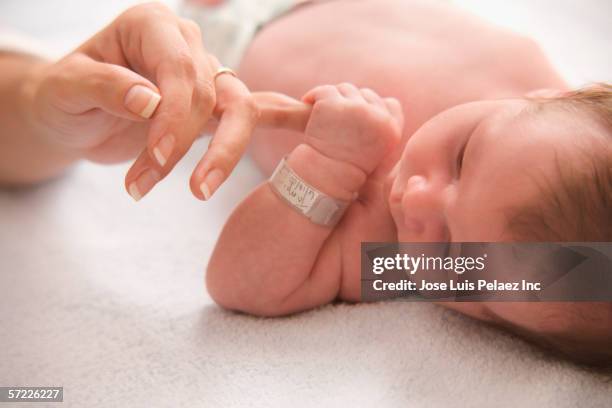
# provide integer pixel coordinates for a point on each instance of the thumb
(87, 84)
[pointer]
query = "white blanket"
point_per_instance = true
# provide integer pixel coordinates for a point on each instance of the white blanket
(105, 297)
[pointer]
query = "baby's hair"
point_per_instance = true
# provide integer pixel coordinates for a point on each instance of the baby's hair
(562, 334)
(576, 206)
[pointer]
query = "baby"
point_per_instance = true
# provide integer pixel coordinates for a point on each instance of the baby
(475, 154)
(529, 169)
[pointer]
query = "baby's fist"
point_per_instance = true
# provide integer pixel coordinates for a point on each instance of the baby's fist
(353, 125)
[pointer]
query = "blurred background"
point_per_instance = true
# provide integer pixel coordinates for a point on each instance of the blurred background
(575, 34)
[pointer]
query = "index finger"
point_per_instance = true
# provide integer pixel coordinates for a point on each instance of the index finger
(238, 117)
(279, 111)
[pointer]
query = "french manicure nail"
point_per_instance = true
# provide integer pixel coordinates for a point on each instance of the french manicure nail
(211, 183)
(143, 184)
(134, 192)
(142, 101)
(163, 150)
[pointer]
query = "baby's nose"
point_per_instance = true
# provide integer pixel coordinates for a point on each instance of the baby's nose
(423, 206)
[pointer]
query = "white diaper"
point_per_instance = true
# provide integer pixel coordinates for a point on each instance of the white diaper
(228, 29)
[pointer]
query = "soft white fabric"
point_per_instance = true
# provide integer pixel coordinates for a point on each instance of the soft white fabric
(228, 29)
(105, 297)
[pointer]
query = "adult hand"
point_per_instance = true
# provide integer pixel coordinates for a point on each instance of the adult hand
(144, 86)
(232, 126)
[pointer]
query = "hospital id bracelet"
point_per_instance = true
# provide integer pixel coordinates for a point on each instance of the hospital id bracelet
(318, 207)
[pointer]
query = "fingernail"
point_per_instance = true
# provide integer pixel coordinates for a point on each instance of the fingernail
(142, 101)
(163, 150)
(143, 184)
(211, 183)
(134, 192)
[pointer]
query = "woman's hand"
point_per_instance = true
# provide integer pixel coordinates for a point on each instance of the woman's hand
(143, 86)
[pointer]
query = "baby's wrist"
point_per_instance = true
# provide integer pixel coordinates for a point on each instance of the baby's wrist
(337, 179)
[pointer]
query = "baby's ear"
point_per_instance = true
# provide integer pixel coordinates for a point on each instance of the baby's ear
(546, 93)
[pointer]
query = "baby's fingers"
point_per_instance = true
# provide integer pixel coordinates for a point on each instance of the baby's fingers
(320, 93)
(395, 109)
(350, 91)
(373, 98)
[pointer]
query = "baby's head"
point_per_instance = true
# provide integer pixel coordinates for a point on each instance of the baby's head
(509, 170)
(532, 169)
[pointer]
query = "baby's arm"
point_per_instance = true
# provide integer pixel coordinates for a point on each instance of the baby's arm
(272, 260)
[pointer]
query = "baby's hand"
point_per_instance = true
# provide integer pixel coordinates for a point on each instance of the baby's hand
(353, 125)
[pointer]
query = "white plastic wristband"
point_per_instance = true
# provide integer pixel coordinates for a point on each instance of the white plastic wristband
(316, 206)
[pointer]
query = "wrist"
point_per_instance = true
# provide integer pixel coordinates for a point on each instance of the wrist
(337, 179)
(27, 94)
(32, 105)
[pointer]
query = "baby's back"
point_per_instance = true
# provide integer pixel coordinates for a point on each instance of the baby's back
(429, 55)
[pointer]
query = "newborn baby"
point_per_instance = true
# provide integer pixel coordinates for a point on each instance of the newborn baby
(504, 170)
(477, 153)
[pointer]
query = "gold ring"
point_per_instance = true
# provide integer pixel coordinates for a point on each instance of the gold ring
(225, 70)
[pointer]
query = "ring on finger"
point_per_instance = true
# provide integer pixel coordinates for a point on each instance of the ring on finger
(223, 71)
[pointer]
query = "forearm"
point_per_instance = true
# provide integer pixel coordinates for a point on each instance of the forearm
(26, 156)
(268, 252)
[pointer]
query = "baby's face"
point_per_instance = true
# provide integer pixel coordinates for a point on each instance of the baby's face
(464, 170)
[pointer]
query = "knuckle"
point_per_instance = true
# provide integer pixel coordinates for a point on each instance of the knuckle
(191, 27)
(154, 8)
(56, 83)
(183, 62)
(65, 72)
(176, 113)
(362, 109)
(367, 92)
(98, 81)
(226, 154)
(249, 107)
(204, 95)
(393, 101)
(326, 88)
(145, 11)
(72, 62)
(107, 74)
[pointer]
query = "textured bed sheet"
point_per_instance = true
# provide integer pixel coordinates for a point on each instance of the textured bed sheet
(105, 297)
